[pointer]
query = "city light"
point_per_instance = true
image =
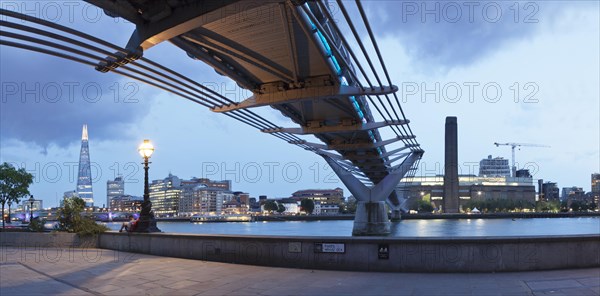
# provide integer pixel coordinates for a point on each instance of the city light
(146, 149)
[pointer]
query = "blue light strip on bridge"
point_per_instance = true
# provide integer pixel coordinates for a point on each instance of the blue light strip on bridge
(343, 79)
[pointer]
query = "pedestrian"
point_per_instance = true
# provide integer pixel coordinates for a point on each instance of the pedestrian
(128, 226)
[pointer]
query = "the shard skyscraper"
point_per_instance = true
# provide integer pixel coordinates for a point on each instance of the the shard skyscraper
(84, 177)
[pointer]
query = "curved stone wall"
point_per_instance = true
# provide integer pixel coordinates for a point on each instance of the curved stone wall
(450, 254)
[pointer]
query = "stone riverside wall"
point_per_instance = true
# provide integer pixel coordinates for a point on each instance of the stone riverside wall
(451, 254)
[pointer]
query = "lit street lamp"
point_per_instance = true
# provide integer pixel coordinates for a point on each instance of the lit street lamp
(146, 222)
(31, 201)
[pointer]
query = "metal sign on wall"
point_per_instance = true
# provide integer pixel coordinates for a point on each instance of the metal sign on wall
(383, 251)
(339, 248)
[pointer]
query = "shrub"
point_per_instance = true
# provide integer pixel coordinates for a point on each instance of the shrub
(36, 225)
(422, 206)
(88, 227)
(70, 219)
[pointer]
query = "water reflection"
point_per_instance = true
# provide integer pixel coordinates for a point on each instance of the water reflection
(405, 228)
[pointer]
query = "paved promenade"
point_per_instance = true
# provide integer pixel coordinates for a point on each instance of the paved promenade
(105, 272)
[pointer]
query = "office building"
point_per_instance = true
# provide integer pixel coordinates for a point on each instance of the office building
(323, 196)
(165, 195)
(550, 192)
(126, 203)
(254, 205)
(84, 176)
(494, 167)
(242, 197)
(113, 189)
(596, 187)
(572, 193)
(223, 184)
(236, 202)
(172, 196)
(201, 199)
(522, 173)
(326, 209)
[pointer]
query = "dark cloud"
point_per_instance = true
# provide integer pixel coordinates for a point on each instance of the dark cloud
(46, 99)
(451, 33)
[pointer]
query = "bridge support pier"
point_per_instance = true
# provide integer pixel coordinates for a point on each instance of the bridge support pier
(396, 215)
(371, 219)
(371, 210)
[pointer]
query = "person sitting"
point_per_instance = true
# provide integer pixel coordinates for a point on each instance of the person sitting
(128, 226)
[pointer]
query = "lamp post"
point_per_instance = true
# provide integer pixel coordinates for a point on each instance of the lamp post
(146, 222)
(9, 205)
(31, 201)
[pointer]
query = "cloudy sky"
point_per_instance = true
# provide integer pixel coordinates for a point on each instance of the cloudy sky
(524, 72)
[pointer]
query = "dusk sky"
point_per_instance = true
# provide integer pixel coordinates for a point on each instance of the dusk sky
(524, 72)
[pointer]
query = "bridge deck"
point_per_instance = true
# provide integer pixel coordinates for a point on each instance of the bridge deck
(282, 52)
(291, 54)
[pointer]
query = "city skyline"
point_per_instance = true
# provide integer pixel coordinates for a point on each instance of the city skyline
(472, 167)
(555, 59)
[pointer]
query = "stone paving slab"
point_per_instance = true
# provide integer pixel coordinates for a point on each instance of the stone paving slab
(16, 279)
(554, 284)
(27, 271)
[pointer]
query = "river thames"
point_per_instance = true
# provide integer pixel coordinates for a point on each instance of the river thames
(405, 228)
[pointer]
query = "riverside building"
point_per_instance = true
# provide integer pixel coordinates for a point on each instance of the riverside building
(201, 199)
(126, 203)
(113, 189)
(470, 187)
(494, 167)
(572, 193)
(550, 192)
(596, 188)
(165, 195)
(322, 196)
(173, 196)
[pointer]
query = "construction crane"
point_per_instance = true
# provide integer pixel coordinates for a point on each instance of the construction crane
(513, 146)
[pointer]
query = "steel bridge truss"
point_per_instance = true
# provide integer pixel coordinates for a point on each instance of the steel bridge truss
(293, 56)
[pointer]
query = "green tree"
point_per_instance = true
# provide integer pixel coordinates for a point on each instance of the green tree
(499, 205)
(69, 215)
(71, 220)
(14, 185)
(564, 206)
(36, 225)
(547, 206)
(307, 205)
(424, 206)
(579, 206)
(280, 208)
(350, 207)
(270, 206)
